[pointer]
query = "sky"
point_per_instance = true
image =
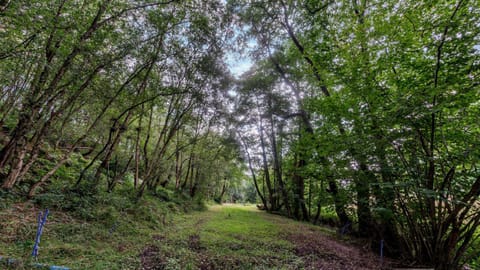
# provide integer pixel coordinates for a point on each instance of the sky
(239, 62)
(238, 65)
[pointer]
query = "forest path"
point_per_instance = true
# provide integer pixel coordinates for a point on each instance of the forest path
(242, 237)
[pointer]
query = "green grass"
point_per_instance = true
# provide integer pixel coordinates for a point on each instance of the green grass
(230, 233)
(154, 234)
(88, 228)
(111, 234)
(225, 237)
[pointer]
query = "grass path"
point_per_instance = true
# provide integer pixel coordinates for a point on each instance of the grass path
(223, 237)
(241, 237)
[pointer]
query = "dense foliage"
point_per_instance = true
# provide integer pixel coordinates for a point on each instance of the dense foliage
(134, 86)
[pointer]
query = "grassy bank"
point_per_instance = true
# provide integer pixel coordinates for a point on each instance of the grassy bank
(103, 231)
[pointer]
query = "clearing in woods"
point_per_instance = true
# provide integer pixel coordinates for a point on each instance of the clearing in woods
(241, 237)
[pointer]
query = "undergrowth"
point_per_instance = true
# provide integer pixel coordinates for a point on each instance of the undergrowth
(87, 230)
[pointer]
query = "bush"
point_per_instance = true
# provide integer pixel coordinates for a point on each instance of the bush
(7, 198)
(79, 203)
(164, 194)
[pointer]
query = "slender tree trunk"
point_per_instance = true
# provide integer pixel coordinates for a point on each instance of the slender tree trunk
(300, 209)
(318, 213)
(339, 202)
(222, 193)
(252, 171)
(271, 191)
(17, 139)
(178, 169)
(16, 169)
(119, 131)
(362, 185)
(278, 172)
(137, 150)
(118, 176)
(195, 183)
(277, 166)
(189, 167)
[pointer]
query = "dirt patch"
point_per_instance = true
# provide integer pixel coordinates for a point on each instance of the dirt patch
(159, 237)
(194, 242)
(151, 259)
(204, 262)
(323, 252)
(215, 262)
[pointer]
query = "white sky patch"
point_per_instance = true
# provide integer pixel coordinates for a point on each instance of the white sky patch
(240, 61)
(240, 66)
(477, 47)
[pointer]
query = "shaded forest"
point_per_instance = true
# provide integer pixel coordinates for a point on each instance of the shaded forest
(361, 114)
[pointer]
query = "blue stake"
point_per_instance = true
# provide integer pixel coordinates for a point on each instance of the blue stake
(37, 236)
(381, 250)
(344, 228)
(113, 228)
(41, 222)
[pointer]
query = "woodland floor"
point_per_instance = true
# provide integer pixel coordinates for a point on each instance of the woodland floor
(222, 237)
(241, 237)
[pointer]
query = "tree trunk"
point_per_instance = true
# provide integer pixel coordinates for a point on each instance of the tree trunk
(118, 176)
(271, 191)
(252, 171)
(339, 202)
(362, 185)
(195, 183)
(17, 140)
(119, 131)
(16, 169)
(277, 166)
(222, 193)
(300, 209)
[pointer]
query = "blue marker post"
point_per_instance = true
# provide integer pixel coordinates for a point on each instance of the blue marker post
(113, 228)
(42, 219)
(344, 229)
(381, 251)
